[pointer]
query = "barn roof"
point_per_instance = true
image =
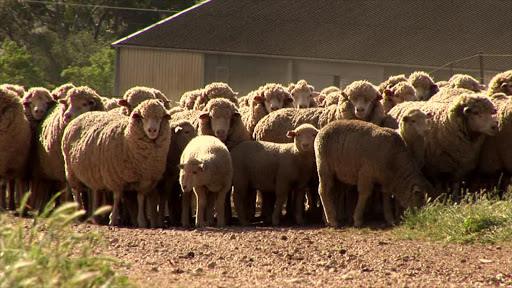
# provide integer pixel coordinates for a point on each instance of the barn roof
(405, 32)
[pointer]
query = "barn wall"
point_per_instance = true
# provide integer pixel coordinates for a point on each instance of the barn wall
(171, 72)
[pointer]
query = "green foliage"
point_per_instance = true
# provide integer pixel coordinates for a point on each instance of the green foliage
(17, 66)
(478, 218)
(99, 74)
(47, 253)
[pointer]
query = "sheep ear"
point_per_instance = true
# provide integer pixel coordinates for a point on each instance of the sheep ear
(291, 134)
(204, 116)
(503, 85)
(123, 103)
(430, 115)
(63, 101)
(178, 129)
(55, 97)
(388, 92)
(235, 93)
(466, 110)
(236, 114)
(291, 86)
(344, 95)
(311, 88)
(181, 166)
(379, 97)
(167, 117)
(258, 98)
(135, 115)
(314, 94)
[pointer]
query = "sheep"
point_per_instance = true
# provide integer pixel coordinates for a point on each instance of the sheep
(320, 99)
(188, 99)
(396, 94)
(243, 102)
(49, 159)
(501, 82)
(424, 85)
(15, 139)
(106, 151)
(18, 89)
(206, 167)
(220, 118)
(331, 99)
(391, 82)
(61, 91)
(266, 99)
(215, 90)
(441, 84)
(110, 103)
(133, 97)
(268, 166)
(302, 94)
(360, 100)
(37, 102)
(447, 94)
(161, 96)
(363, 154)
(182, 131)
(465, 81)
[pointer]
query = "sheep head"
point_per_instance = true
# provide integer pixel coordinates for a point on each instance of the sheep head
(38, 100)
(192, 174)
(218, 117)
(424, 85)
(273, 97)
(302, 93)
(61, 91)
(78, 101)
(182, 132)
(303, 137)
(152, 114)
(476, 112)
(415, 120)
(362, 95)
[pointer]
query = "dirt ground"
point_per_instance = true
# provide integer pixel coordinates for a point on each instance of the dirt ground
(312, 256)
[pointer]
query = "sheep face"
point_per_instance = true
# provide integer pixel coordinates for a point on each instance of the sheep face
(506, 87)
(481, 121)
(274, 100)
(417, 121)
(219, 119)
(38, 101)
(182, 132)
(302, 93)
(152, 114)
(362, 106)
(303, 137)
(192, 174)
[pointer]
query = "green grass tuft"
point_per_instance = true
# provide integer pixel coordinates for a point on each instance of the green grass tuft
(45, 252)
(478, 218)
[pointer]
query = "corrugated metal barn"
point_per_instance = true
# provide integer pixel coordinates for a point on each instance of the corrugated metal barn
(248, 43)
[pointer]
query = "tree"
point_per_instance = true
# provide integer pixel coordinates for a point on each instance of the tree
(17, 66)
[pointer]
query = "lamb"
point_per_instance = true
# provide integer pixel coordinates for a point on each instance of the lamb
(61, 91)
(391, 82)
(465, 81)
(266, 99)
(268, 166)
(15, 139)
(302, 94)
(215, 90)
(360, 100)
(182, 132)
(49, 159)
(364, 154)
(424, 85)
(188, 99)
(206, 167)
(220, 118)
(501, 83)
(18, 89)
(106, 151)
(396, 94)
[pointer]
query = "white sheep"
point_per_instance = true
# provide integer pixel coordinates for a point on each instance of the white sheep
(397, 94)
(215, 90)
(302, 94)
(206, 167)
(106, 151)
(268, 166)
(424, 85)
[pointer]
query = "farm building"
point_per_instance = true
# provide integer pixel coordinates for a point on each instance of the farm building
(248, 43)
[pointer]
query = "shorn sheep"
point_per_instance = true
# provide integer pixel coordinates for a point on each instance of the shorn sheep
(302, 94)
(215, 90)
(466, 82)
(15, 141)
(206, 167)
(106, 151)
(364, 154)
(360, 100)
(501, 83)
(424, 85)
(268, 166)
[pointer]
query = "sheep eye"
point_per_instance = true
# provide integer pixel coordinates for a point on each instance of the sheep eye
(194, 172)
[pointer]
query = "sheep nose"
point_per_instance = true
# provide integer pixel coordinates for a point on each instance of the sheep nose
(303, 106)
(152, 130)
(360, 109)
(273, 108)
(305, 146)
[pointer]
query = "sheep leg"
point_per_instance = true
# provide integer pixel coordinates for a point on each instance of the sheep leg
(325, 192)
(388, 209)
(174, 202)
(3, 188)
(141, 217)
(220, 205)
(210, 205)
(185, 209)
(114, 215)
(152, 201)
(201, 205)
(364, 189)
(11, 191)
(300, 194)
(282, 191)
(240, 194)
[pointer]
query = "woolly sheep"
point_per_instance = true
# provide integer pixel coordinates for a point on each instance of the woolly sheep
(215, 90)
(391, 82)
(37, 102)
(268, 98)
(399, 93)
(331, 99)
(188, 99)
(15, 138)
(18, 89)
(61, 91)
(466, 82)
(424, 85)
(105, 151)
(441, 84)
(447, 94)
(320, 99)
(49, 158)
(364, 154)
(133, 97)
(360, 100)
(161, 96)
(501, 83)
(206, 167)
(268, 166)
(302, 94)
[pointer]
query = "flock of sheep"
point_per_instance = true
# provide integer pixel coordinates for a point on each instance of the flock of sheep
(344, 154)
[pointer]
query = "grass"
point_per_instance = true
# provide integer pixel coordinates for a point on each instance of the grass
(45, 252)
(478, 218)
